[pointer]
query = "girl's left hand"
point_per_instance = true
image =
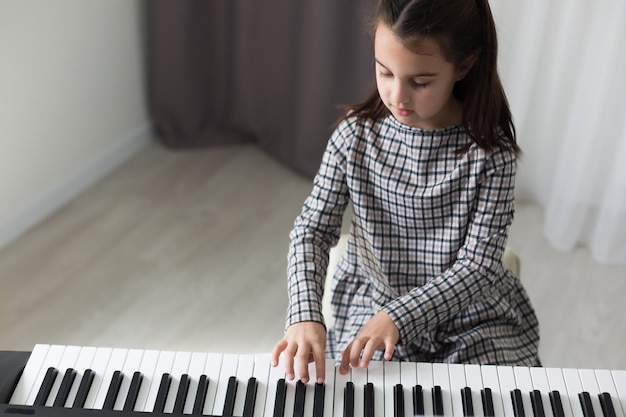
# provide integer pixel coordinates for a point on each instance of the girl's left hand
(378, 333)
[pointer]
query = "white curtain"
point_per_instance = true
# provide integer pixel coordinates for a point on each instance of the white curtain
(563, 64)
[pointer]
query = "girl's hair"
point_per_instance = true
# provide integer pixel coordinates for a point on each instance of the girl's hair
(461, 28)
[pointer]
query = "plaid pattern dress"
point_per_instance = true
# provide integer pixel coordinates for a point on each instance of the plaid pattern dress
(425, 245)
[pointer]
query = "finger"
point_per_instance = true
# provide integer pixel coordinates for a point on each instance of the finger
(389, 349)
(355, 352)
(344, 366)
(320, 365)
(368, 352)
(278, 349)
(302, 364)
(288, 357)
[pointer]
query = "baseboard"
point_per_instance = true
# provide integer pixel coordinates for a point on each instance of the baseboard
(58, 196)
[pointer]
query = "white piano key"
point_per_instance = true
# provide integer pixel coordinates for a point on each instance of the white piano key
(179, 367)
(507, 384)
(290, 399)
(229, 368)
(147, 368)
(491, 380)
(442, 379)
(557, 383)
(377, 374)
(212, 370)
(53, 357)
(29, 375)
(310, 391)
(340, 384)
(590, 385)
(329, 390)
(83, 362)
(195, 371)
(132, 363)
(262, 369)
(540, 382)
(68, 360)
(276, 373)
(408, 379)
(359, 379)
(164, 365)
(98, 366)
(425, 379)
(574, 387)
(245, 370)
(116, 363)
(456, 373)
(525, 385)
(607, 384)
(619, 378)
(474, 380)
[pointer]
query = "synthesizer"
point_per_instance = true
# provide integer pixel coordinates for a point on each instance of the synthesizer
(75, 381)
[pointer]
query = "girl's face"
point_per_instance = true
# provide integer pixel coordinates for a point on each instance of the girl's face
(416, 84)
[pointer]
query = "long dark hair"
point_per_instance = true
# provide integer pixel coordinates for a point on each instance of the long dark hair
(461, 28)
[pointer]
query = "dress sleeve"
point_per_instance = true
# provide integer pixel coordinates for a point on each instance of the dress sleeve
(316, 230)
(479, 261)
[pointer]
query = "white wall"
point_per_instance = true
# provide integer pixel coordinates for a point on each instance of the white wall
(71, 101)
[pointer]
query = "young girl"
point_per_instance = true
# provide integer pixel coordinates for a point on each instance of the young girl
(428, 162)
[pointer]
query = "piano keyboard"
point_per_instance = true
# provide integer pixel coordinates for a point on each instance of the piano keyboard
(70, 378)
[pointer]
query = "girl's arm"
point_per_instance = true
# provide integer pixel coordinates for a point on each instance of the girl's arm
(316, 230)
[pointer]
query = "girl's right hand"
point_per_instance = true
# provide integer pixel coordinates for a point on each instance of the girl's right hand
(303, 343)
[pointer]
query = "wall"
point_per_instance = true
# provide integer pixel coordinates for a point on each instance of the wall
(71, 101)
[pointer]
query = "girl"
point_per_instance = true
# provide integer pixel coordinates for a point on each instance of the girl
(428, 162)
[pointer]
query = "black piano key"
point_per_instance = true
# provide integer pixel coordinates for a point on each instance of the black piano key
(607, 405)
(231, 393)
(298, 408)
(164, 387)
(418, 401)
(587, 406)
(437, 401)
(83, 389)
(537, 403)
(348, 400)
(64, 388)
(556, 404)
(368, 400)
(398, 401)
(518, 404)
(198, 404)
(468, 405)
(46, 386)
(250, 400)
(133, 391)
(113, 391)
(181, 394)
(487, 397)
(318, 400)
(281, 393)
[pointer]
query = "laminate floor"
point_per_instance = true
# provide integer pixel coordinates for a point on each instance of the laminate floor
(187, 251)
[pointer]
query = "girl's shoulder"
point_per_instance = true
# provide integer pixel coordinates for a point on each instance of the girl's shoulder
(351, 130)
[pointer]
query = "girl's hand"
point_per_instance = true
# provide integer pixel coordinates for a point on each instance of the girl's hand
(378, 333)
(305, 342)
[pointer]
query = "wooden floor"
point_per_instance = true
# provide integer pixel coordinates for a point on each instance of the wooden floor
(187, 251)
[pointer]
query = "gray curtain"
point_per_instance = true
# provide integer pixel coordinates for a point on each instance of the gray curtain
(268, 71)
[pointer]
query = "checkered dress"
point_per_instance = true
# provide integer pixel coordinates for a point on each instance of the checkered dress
(425, 245)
